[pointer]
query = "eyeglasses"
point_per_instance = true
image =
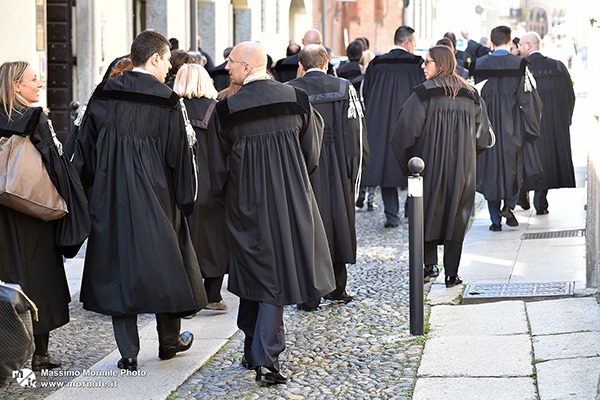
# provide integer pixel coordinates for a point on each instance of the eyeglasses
(427, 61)
(237, 62)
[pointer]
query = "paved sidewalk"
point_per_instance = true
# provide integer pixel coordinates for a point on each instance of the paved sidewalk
(516, 349)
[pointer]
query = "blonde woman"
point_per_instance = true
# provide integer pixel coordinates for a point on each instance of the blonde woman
(207, 223)
(28, 252)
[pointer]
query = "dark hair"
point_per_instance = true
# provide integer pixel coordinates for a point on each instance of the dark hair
(178, 58)
(227, 52)
(517, 41)
(451, 36)
(445, 42)
(293, 48)
(145, 45)
(174, 44)
(366, 43)
(124, 64)
(403, 34)
(313, 58)
(501, 35)
(354, 50)
(446, 75)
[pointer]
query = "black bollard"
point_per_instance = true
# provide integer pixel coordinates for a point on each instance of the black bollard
(416, 245)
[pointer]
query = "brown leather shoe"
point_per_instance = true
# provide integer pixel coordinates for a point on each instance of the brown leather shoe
(39, 362)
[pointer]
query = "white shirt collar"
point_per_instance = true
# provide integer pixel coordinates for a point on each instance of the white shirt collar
(142, 70)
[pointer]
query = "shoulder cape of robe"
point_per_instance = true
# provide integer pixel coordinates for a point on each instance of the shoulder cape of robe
(388, 83)
(263, 142)
(343, 149)
(514, 109)
(135, 153)
(447, 133)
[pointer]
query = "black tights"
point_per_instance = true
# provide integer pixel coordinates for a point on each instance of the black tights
(41, 343)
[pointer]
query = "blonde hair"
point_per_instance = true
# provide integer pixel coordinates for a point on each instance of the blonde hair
(192, 80)
(12, 72)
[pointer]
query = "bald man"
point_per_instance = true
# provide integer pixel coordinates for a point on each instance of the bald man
(555, 87)
(263, 143)
(286, 69)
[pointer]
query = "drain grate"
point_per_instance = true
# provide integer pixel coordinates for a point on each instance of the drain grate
(491, 292)
(556, 234)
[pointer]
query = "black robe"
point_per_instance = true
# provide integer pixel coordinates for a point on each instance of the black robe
(262, 144)
(514, 109)
(28, 253)
(220, 77)
(349, 70)
(340, 161)
(388, 82)
(447, 133)
(207, 223)
(555, 87)
(135, 154)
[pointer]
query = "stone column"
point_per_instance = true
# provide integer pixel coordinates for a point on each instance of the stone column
(206, 27)
(243, 25)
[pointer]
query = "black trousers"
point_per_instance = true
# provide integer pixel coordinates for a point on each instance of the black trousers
(540, 200)
(41, 343)
(452, 254)
(262, 324)
(128, 339)
(212, 286)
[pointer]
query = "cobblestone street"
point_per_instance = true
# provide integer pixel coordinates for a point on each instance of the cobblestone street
(362, 350)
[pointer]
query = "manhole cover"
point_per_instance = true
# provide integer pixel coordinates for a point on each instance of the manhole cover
(490, 292)
(556, 234)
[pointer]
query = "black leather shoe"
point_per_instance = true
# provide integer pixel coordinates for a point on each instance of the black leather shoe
(371, 207)
(129, 364)
(246, 364)
(184, 342)
(542, 212)
(496, 227)
(360, 202)
(507, 213)
(343, 298)
(452, 281)
(390, 225)
(523, 201)
(268, 376)
(39, 362)
(304, 307)
(430, 271)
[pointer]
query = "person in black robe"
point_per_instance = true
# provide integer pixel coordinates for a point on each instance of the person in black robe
(445, 123)
(209, 61)
(514, 110)
(388, 82)
(344, 152)
(263, 142)
(460, 71)
(475, 49)
(219, 74)
(555, 87)
(352, 69)
(286, 69)
(178, 58)
(29, 255)
(207, 223)
(135, 153)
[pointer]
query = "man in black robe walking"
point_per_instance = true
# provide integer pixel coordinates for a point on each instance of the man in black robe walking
(555, 87)
(514, 110)
(345, 150)
(389, 81)
(135, 154)
(263, 143)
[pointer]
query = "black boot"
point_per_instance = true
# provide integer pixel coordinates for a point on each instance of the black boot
(40, 362)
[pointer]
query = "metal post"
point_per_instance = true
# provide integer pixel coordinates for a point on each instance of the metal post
(415, 245)
(193, 25)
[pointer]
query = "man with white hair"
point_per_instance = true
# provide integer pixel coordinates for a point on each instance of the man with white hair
(263, 143)
(555, 87)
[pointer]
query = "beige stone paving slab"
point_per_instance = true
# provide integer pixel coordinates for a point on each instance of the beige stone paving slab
(567, 345)
(575, 378)
(477, 356)
(475, 389)
(564, 316)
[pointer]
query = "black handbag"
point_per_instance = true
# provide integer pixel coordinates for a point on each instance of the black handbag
(16, 328)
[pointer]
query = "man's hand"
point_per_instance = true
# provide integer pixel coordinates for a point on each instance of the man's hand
(465, 34)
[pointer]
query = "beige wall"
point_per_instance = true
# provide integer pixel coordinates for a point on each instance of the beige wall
(178, 22)
(18, 28)
(113, 33)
